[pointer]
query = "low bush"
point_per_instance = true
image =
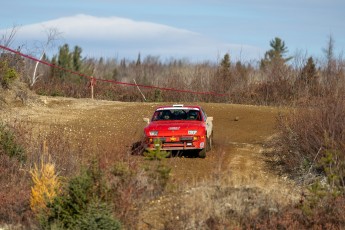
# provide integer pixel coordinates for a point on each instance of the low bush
(14, 193)
(311, 149)
(157, 153)
(9, 144)
(312, 139)
(82, 205)
(325, 214)
(7, 74)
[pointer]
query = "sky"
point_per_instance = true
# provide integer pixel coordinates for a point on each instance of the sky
(195, 30)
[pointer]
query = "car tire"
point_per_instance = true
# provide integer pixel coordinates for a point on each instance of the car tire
(169, 154)
(202, 153)
(209, 143)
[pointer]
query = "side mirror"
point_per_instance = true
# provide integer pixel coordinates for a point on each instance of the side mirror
(146, 120)
(209, 119)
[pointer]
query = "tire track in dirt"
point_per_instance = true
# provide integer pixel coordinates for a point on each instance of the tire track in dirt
(234, 177)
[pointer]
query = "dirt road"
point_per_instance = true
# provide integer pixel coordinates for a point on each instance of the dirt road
(235, 162)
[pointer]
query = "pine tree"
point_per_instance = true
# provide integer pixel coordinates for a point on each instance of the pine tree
(308, 73)
(224, 74)
(329, 53)
(64, 60)
(138, 63)
(53, 70)
(225, 64)
(77, 58)
(276, 53)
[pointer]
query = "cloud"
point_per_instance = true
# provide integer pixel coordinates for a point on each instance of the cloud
(125, 38)
(84, 26)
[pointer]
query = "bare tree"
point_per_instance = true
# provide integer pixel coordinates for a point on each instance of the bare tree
(329, 53)
(8, 38)
(52, 35)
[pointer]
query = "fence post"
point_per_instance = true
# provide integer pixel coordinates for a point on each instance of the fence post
(92, 88)
(92, 84)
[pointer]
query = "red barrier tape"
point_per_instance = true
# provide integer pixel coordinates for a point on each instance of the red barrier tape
(110, 81)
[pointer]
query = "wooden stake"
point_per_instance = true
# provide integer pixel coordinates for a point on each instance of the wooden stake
(92, 84)
(92, 90)
(139, 90)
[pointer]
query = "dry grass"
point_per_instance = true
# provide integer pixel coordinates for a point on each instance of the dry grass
(308, 133)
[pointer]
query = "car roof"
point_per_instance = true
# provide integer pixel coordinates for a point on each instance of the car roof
(171, 107)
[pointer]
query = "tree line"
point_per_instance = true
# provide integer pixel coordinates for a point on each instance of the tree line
(276, 79)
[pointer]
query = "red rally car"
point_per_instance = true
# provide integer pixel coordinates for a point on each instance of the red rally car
(179, 127)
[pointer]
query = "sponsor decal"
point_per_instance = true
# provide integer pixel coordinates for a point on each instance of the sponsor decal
(174, 128)
(202, 144)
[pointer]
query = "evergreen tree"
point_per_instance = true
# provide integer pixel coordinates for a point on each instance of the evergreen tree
(308, 73)
(329, 53)
(54, 72)
(241, 71)
(276, 53)
(67, 60)
(225, 64)
(115, 74)
(77, 58)
(123, 63)
(224, 77)
(64, 61)
(138, 60)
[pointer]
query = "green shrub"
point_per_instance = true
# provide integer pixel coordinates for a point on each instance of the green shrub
(57, 93)
(97, 216)
(162, 174)
(157, 153)
(158, 96)
(42, 92)
(7, 74)
(81, 206)
(121, 170)
(334, 168)
(159, 175)
(8, 144)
